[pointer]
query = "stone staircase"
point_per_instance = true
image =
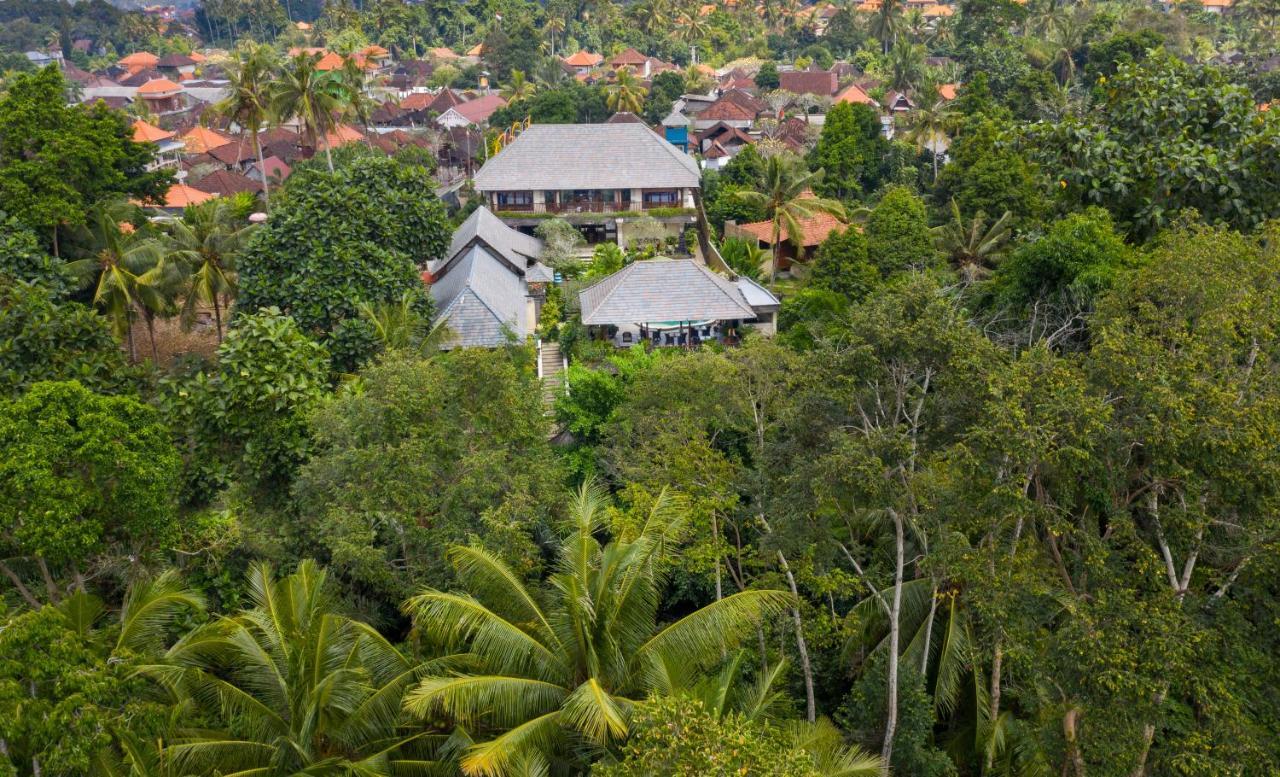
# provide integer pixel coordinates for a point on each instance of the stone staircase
(551, 365)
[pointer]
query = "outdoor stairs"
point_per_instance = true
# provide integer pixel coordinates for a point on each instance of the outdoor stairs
(551, 366)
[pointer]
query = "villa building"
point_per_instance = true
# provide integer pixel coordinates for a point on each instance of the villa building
(596, 176)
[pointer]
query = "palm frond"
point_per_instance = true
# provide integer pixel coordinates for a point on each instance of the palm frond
(503, 701)
(598, 716)
(495, 757)
(697, 639)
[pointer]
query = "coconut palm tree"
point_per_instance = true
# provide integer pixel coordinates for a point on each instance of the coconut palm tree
(886, 23)
(906, 65)
(249, 76)
(518, 88)
(929, 122)
(554, 27)
(206, 242)
(290, 686)
(121, 263)
(973, 246)
(626, 93)
(787, 199)
(564, 668)
(311, 96)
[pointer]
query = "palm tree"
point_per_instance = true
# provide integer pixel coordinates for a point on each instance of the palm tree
(290, 686)
(249, 76)
(929, 122)
(310, 96)
(354, 101)
(206, 241)
(691, 28)
(626, 93)
(123, 259)
(972, 246)
(1068, 37)
(554, 26)
(518, 88)
(573, 663)
(786, 200)
(746, 258)
(906, 65)
(886, 23)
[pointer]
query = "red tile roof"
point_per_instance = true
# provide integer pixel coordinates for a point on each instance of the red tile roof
(583, 58)
(479, 110)
(225, 182)
(855, 94)
(820, 82)
(148, 133)
(181, 195)
(629, 57)
(727, 110)
(815, 229)
(198, 139)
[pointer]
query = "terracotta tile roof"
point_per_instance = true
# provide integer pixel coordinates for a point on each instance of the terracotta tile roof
(139, 59)
(181, 195)
(278, 135)
(716, 151)
(275, 168)
(197, 57)
(198, 139)
(330, 61)
(234, 153)
(948, 91)
(856, 95)
(479, 110)
(342, 135)
(476, 50)
(815, 229)
(375, 51)
(140, 77)
(629, 57)
(745, 99)
(441, 52)
(819, 82)
(417, 101)
(935, 11)
(225, 182)
(584, 58)
(444, 101)
(159, 87)
(149, 133)
(727, 110)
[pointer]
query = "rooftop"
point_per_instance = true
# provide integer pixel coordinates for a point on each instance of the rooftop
(663, 290)
(588, 156)
(815, 228)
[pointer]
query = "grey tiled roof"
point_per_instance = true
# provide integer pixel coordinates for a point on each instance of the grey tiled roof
(757, 296)
(481, 301)
(515, 246)
(663, 290)
(588, 156)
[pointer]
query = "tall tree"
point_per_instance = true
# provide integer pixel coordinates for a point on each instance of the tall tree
(248, 102)
(206, 241)
(626, 92)
(580, 660)
(310, 96)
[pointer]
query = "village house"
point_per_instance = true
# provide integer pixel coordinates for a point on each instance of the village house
(600, 177)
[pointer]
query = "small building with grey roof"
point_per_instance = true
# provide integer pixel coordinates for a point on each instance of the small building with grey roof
(490, 286)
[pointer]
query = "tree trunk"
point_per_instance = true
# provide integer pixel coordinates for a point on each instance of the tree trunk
(328, 154)
(150, 319)
(217, 317)
(802, 647)
(993, 709)
(19, 586)
(895, 613)
(56, 255)
(266, 188)
(49, 586)
(928, 630)
(1070, 724)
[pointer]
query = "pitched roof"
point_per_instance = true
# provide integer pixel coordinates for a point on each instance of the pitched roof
(342, 135)
(588, 156)
(662, 290)
(275, 168)
(234, 153)
(481, 301)
(278, 135)
(479, 110)
(856, 95)
(149, 133)
(935, 11)
(330, 61)
(139, 59)
(629, 57)
(180, 196)
(199, 140)
(137, 78)
(583, 58)
(948, 91)
(444, 101)
(815, 229)
(624, 117)
(745, 99)
(514, 246)
(727, 110)
(375, 51)
(820, 82)
(225, 182)
(441, 52)
(175, 60)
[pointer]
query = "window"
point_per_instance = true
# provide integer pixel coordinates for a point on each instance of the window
(515, 198)
(661, 198)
